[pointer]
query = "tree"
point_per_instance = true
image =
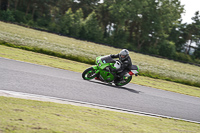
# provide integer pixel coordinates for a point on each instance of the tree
(4, 4)
(87, 6)
(77, 24)
(104, 16)
(196, 33)
(66, 22)
(147, 22)
(179, 35)
(64, 5)
(191, 33)
(91, 29)
(197, 52)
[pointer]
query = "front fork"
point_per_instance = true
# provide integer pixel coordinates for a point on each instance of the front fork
(96, 69)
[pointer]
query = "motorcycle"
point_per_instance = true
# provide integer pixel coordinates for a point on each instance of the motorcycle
(102, 71)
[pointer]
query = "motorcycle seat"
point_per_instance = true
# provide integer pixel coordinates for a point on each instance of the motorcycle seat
(134, 67)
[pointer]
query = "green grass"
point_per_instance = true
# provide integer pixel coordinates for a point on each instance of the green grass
(22, 116)
(42, 59)
(56, 54)
(84, 51)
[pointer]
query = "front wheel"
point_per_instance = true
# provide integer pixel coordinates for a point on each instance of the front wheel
(89, 74)
(124, 81)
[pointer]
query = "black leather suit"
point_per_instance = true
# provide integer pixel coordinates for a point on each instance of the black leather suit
(126, 65)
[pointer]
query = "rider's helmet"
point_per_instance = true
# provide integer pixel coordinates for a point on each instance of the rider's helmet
(124, 54)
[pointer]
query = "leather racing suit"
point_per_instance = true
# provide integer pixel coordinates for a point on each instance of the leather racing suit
(126, 66)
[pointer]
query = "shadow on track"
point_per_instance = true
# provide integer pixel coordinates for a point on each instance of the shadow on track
(119, 87)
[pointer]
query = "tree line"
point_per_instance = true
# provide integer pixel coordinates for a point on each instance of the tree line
(148, 26)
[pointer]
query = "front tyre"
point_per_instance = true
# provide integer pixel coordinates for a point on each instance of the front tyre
(124, 81)
(89, 74)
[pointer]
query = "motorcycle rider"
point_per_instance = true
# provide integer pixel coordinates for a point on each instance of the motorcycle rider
(125, 66)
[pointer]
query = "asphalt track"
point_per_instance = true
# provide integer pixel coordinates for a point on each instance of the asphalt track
(47, 81)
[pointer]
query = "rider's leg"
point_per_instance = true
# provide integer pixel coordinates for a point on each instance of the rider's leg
(120, 75)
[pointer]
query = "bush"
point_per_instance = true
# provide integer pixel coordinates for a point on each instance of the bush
(31, 23)
(21, 17)
(167, 49)
(42, 22)
(7, 16)
(153, 50)
(197, 53)
(197, 61)
(183, 57)
(54, 27)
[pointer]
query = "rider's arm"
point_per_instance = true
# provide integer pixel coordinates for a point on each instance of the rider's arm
(123, 66)
(114, 55)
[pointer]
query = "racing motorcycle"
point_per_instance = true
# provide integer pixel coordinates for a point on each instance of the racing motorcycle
(102, 71)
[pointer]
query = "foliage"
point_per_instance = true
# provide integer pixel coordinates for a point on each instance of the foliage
(196, 33)
(167, 49)
(21, 17)
(66, 22)
(92, 30)
(7, 16)
(183, 57)
(77, 24)
(197, 53)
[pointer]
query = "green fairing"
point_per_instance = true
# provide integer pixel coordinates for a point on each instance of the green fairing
(138, 69)
(106, 75)
(95, 67)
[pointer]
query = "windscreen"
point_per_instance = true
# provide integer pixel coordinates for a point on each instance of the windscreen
(107, 59)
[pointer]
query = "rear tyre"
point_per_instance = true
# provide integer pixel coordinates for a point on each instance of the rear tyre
(89, 74)
(124, 81)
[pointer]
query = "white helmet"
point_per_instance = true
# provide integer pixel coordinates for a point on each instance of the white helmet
(124, 54)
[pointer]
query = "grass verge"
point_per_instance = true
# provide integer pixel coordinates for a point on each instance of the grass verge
(42, 59)
(52, 53)
(22, 116)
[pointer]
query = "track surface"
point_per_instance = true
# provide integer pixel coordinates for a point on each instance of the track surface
(41, 80)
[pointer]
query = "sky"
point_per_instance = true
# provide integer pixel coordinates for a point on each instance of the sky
(191, 6)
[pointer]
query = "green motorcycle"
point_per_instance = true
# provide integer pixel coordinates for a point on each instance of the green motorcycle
(102, 71)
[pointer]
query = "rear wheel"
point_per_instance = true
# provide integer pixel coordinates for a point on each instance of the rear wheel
(124, 81)
(89, 74)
